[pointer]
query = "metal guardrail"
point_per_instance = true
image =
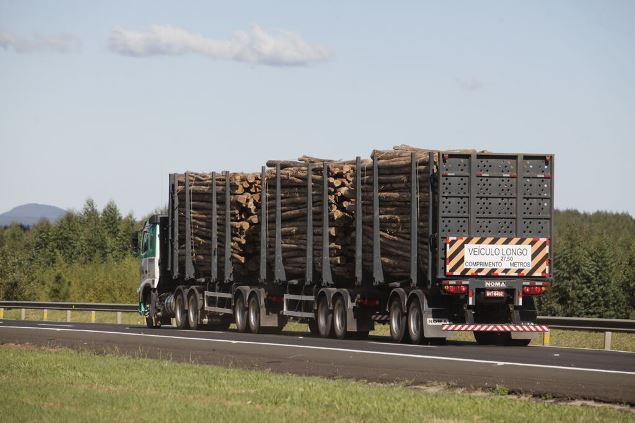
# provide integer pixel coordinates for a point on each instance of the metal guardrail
(580, 323)
(36, 305)
(572, 323)
(588, 323)
(69, 307)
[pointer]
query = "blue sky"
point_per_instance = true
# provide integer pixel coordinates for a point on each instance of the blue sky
(104, 99)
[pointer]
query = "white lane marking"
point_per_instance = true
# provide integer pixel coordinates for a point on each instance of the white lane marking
(401, 345)
(314, 347)
(56, 325)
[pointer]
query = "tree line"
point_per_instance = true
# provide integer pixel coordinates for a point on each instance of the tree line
(85, 256)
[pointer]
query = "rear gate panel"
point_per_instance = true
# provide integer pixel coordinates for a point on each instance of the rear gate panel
(494, 199)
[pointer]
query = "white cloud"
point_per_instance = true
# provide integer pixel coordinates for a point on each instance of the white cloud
(471, 84)
(59, 43)
(277, 48)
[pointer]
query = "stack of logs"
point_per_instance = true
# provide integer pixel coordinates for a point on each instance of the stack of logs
(394, 188)
(294, 207)
(394, 177)
(244, 216)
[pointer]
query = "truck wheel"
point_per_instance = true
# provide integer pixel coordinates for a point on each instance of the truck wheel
(324, 318)
(339, 318)
(398, 331)
(150, 319)
(415, 322)
(254, 314)
(240, 314)
(193, 312)
(179, 312)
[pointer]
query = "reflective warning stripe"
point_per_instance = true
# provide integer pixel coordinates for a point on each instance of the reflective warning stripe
(455, 257)
(495, 328)
(379, 317)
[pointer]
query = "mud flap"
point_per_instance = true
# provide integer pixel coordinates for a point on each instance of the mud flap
(433, 319)
(267, 320)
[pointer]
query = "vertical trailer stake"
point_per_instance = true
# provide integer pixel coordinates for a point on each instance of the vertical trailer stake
(189, 266)
(471, 229)
(170, 208)
(229, 271)
(430, 209)
(214, 232)
(414, 190)
(279, 273)
(175, 227)
(309, 225)
(358, 221)
(519, 196)
(263, 225)
(378, 272)
(327, 277)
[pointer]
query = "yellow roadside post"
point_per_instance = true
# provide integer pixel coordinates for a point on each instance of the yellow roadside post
(546, 338)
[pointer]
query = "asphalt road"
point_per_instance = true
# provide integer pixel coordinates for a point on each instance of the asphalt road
(556, 372)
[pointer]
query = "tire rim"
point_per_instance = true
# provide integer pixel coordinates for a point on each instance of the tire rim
(322, 318)
(395, 319)
(239, 313)
(253, 318)
(414, 321)
(339, 317)
(178, 312)
(192, 312)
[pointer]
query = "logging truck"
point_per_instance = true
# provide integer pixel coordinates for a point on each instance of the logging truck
(427, 242)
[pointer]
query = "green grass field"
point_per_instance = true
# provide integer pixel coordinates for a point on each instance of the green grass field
(559, 338)
(61, 385)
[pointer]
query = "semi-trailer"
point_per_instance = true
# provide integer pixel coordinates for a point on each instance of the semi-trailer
(435, 242)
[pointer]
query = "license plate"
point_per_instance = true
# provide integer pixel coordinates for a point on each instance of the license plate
(494, 293)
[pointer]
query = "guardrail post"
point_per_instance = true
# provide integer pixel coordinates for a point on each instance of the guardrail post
(118, 317)
(23, 314)
(92, 316)
(45, 315)
(607, 340)
(68, 316)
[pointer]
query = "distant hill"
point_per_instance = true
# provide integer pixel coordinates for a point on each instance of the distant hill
(30, 214)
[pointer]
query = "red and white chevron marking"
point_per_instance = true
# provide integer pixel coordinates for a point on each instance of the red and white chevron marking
(496, 328)
(379, 317)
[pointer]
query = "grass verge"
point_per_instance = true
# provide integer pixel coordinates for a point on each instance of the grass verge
(63, 385)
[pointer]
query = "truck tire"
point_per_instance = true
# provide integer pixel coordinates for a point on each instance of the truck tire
(151, 322)
(180, 315)
(397, 321)
(324, 318)
(240, 314)
(415, 322)
(339, 317)
(193, 311)
(254, 314)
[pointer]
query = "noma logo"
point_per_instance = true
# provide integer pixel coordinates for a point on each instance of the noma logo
(495, 284)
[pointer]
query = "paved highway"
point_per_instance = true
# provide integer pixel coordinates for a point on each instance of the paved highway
(558, 372)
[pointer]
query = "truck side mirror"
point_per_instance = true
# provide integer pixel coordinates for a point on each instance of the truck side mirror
(134, 243)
